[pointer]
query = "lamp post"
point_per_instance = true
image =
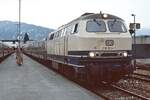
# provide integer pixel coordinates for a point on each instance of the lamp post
(19, 57)
(134, 39)
(19, 25)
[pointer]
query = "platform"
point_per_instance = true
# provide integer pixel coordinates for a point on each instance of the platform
(33, 81)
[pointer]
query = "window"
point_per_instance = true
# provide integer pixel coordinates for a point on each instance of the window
(75, 28)
(62, 32)
(96, 26)
(51, 37)
(116, 26)
(56, 34)
(69, 30)
(59, 33)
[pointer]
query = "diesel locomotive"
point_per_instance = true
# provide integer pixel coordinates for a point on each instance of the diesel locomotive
(99, 41)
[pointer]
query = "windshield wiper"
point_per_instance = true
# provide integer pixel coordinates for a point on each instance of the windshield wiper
(113, 22)
(97, 22)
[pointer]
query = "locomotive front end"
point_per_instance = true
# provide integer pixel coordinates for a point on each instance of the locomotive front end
(104, 44)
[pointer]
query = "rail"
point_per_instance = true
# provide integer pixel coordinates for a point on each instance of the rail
(129, 92)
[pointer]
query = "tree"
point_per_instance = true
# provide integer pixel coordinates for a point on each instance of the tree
(26, 37)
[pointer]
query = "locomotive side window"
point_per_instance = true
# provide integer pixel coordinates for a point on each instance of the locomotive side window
(116, 26)
(59, 33)
(56, 34)
(69, 30)
(75, 29)
(95, 26)
(51, 37)
(62, 32)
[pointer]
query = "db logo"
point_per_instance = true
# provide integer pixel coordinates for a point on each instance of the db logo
(109, 42)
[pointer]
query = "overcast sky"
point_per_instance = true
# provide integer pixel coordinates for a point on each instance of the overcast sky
(54, 13)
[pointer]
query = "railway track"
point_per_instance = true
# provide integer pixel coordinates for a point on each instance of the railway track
(136, 85)
(141, 77)
(143, 66)
(130, 93)
(114, 92)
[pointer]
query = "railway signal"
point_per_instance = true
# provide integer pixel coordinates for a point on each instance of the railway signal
(133, 26)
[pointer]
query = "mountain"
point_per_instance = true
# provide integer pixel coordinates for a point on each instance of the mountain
(9, 30)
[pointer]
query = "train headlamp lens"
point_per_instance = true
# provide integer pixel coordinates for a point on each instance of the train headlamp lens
(105, 15)
(91, 54)
(125, 54)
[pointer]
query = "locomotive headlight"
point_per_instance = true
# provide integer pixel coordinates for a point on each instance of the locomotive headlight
(125, 54)
(91, 54)
(105, 15)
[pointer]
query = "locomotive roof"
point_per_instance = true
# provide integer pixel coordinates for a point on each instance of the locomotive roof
(93, 16)
(98, 16)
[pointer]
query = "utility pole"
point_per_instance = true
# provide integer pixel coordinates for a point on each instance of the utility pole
(19, 26)
(19, 56)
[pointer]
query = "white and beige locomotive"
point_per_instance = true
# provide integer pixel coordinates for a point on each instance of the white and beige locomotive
(101, 36)
(99, 43)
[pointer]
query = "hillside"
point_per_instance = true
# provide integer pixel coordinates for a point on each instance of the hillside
(8, 30)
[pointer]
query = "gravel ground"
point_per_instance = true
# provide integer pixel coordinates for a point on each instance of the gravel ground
(136, 86)
(114, 94)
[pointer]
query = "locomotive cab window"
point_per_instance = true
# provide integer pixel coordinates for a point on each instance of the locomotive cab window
(75, 29)
(95, 26)
(116, 26)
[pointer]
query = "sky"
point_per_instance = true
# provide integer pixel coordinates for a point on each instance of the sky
(54, 13)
